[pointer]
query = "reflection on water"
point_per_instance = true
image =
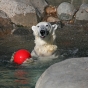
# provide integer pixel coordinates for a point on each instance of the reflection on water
(72, 43)
(14, 76)
(18, 77)
(21, 77)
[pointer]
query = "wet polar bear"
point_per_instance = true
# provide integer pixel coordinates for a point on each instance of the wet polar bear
(45, 36)
(45, 47)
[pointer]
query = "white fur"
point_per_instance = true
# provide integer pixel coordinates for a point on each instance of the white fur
(44, 47)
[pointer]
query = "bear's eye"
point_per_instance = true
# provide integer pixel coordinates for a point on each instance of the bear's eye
(46, 25)
(37, 26)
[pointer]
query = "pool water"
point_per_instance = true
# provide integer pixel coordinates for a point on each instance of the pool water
(19, 77)
(14, 76)
(72, 42)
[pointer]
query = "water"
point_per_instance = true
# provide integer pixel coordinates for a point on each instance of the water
(72, 42)
(14, 76)
(18, 77)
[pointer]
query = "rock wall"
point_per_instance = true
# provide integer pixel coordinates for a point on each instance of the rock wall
(5, 24)
(76, 3)
(30, 12)
(23, 12)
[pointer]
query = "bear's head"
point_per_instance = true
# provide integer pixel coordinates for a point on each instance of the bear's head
(43, 29)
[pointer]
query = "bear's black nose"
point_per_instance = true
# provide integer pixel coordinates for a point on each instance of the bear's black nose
(42, 32)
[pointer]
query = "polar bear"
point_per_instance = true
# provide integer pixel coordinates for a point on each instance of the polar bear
(45, 37)
(45, 46)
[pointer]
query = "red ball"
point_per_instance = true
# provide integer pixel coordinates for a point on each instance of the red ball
(21, 55)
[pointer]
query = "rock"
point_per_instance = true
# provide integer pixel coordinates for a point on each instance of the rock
(50, 11)
(5, 24)
(3, 14)
(85, 1)
(52, 19)
(84, 7)
(20, 31)
(76, 3)
(65, 11)
(50, 14)
(56, 2)
(22, 12)
(82, 14)
(39, 5)
(71, 73)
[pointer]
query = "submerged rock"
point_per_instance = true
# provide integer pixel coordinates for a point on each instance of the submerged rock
(71, 73)
(65, 11)
(82, 14)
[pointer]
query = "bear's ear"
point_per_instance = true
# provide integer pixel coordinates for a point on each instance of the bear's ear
(33, 28)
(54, 27)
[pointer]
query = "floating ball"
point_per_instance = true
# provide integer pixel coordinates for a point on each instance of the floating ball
(21, 55)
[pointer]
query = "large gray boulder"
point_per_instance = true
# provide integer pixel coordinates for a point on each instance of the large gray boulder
(71, 73)
(82, 14)
(22, 12)
(65, 11)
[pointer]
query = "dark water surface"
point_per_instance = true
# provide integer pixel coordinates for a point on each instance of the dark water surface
(71, 40)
